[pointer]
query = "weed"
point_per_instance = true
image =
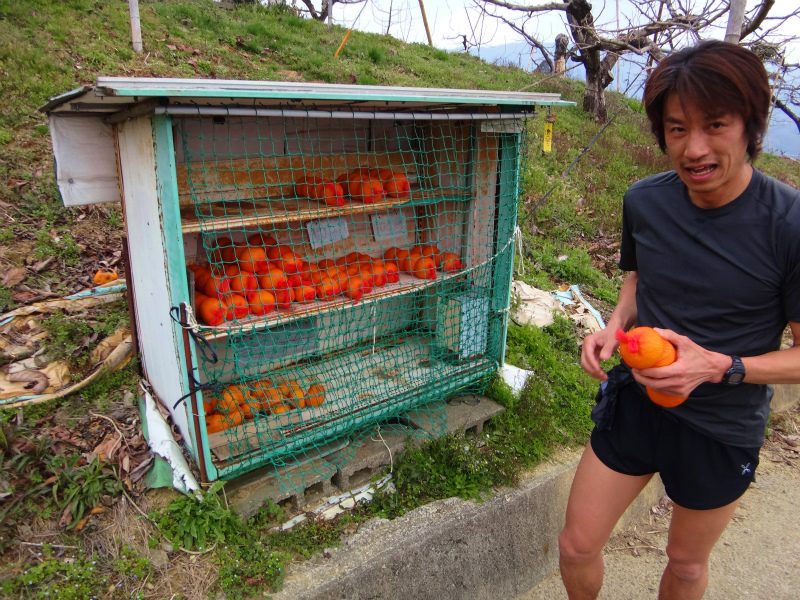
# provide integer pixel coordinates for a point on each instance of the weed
(197, 523)
(377, 56)
(367, 80)
(6, 298)
(6, 135)
(305, 539)
(243, 568)
(62, 246)
(82, 487)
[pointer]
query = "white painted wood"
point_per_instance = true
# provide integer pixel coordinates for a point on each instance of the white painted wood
(86, 167)
(159, 345)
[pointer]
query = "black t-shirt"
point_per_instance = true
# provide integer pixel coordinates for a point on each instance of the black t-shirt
(728, 278)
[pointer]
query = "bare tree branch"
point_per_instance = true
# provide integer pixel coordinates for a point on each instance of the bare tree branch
(757, 20)
(787, 111)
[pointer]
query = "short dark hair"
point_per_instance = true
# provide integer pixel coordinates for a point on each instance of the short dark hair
(721, 78)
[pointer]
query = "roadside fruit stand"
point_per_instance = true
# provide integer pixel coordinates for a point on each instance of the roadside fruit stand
(306, 260)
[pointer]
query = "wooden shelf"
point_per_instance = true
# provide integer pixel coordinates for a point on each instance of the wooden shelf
(223, 216)
(407, 284)
(353, 396)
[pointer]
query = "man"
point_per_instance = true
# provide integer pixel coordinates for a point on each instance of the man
(713, 250)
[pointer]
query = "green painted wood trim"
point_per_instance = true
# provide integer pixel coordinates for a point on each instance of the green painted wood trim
(294, 95)
(167, 182)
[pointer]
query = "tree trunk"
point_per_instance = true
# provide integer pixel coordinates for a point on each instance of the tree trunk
(594, 99)
(562, 45)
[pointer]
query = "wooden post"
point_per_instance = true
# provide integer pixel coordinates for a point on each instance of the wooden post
(425, 22)
(735, 19)
(136, 30)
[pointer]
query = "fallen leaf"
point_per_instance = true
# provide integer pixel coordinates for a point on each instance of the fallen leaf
(66, 517)
(14, 276)
(43, 264)
(139, 471)
(106, 448)
(193, 62)
(353, 78)
(171, 46)
(36, 381)
(239, 41)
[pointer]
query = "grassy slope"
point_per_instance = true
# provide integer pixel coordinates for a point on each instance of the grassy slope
(48, 47)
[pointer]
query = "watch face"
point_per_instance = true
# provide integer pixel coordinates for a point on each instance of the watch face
(735, 378)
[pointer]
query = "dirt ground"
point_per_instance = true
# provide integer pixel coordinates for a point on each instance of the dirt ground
(757, 557)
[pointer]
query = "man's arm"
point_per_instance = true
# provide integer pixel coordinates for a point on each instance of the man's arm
(696, 365)
(601, 345)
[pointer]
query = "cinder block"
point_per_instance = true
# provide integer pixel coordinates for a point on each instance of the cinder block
(248, 493)
(377, 450)
(464, 413)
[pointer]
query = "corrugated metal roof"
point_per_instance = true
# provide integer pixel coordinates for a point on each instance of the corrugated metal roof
(142, 88)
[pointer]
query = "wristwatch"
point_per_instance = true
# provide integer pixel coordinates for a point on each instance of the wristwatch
(734, 375)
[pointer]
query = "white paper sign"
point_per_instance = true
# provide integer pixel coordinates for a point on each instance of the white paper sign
(388, 225)
(326, 231)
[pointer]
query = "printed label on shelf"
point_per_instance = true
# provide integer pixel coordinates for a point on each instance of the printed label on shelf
(389, 225)
(326, 231)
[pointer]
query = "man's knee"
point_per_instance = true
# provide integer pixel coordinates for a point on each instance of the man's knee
(576, 547)
(686, 568)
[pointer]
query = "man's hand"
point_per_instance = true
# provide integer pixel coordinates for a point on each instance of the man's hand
(596, 347)
(694, 365)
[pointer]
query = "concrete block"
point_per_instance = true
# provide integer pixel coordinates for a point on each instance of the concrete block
(453, 549)
(377, 450)
(786, 397)
(248, 493)
(464, 413)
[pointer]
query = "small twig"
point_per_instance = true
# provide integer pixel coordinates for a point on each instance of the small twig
(51, 545)
(136, 506)
(121, 436)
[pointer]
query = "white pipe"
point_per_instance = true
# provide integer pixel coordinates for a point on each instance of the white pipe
(193, 111)
(136, 29)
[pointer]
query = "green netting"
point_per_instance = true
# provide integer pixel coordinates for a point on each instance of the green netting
(334, 310)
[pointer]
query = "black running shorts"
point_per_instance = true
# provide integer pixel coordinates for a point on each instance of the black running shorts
(698, 473)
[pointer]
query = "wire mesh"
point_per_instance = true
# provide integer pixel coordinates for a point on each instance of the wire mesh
(346, 271)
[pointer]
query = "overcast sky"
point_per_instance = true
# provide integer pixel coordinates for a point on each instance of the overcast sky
(449, 19)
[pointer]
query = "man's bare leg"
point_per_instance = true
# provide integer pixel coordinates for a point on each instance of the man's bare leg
(597, 500)
(692, 535)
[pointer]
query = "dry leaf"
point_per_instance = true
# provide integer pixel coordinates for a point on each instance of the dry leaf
(14, 276)
(66, 517)
(37, 381)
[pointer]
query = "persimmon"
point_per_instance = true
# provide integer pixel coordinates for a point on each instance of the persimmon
(361, 187)
(352, 288)
(252, 259)
(304, 293)
(317, 188)
(262, 302)
(378, 274)
(641, 347)
(392, 272)
(231, 397)
(242, 282)
(209, 406)
(212, 311)
(215, 423)
(105, 275)
(198, 298)
(275, 282)
(226, 253)
(209, 285)
(645, 348)
(315, 395)
(307, 271)
(326, 263)
(425, 250)
(233, 418)
(237, 309)
(424, 268)
(292, 392)
(262, 239)
(395, 184)
(247, 409)
(270, 399)
(448, 262)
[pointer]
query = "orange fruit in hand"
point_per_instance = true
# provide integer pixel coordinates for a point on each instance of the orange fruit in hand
(641, 347)
(644, 348)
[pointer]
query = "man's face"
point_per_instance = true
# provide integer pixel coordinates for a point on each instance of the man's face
(707, 152)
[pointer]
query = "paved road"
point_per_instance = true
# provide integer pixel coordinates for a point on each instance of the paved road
(758, 556)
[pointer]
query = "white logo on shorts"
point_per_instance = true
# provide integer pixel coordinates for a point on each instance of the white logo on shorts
(746, 469)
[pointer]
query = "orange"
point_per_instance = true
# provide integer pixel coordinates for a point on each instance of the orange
(212, 311)
(292, 392)
(641, 347)
(262, 302)
(448, 262)
(663, 399)
(214, 423)
(231, 398)
(424, 267)
(262, 239)
(315, 395)
(252, 259)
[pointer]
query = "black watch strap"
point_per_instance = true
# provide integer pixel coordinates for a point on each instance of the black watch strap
(734, 375)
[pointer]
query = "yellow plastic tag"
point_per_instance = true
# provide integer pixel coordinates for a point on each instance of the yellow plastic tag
(548, 137)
